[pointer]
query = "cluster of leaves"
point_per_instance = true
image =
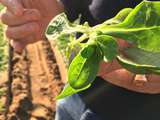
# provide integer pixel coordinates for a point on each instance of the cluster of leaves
(1, 105)
(139, 26)
(3, 57)
(3, 48)
(3, 52)
(1, 7)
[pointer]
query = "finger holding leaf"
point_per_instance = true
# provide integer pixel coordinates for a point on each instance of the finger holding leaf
(135, 26)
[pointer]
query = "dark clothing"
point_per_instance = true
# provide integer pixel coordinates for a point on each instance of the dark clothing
(115, 103)
(96, 11)
(109, 101)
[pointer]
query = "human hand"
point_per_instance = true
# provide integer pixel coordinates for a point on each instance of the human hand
(27, 20)
(115, 74)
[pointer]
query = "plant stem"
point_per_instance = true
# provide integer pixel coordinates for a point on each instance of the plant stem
(81, 39)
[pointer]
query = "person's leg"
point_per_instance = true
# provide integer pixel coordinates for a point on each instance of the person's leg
(90, 115)
(70, 108)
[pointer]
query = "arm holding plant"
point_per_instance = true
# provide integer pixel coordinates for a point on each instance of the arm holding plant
(138, 28)
(24, 14)
(27, 20)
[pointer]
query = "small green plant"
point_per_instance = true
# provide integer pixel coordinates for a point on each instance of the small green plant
(3, 58)
(3, 51)
(139, 26)
(2, 92)
(3, 48)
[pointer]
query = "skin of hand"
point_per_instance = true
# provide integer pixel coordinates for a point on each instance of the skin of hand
(26, 22)
(113, 73)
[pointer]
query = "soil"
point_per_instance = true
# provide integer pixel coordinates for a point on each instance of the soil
(33, 83)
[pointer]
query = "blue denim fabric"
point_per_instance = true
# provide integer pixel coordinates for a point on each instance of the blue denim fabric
(73, 108)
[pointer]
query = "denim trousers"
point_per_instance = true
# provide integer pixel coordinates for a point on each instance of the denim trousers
(73, 108)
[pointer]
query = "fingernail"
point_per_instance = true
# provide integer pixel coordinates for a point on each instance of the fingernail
(140, 80)
(17, 46)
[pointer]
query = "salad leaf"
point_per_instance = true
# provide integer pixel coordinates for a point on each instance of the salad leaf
(57, 25)
(108, 46)
(68, 91)
(141, 27)
(120, 17)
(84, 67)
(140, 61)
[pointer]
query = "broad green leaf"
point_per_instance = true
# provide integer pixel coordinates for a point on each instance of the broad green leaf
(68, 91)
(62, 41)
(57, 25)
(140, 61)
(141, 27)
(120, 17)
(89, 50)
(84, 67)
(109, 46)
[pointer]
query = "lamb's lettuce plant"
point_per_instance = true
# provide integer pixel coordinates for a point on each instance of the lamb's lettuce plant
(139, 26)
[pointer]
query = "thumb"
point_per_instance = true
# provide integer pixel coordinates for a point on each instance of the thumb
(18, 46)
(140, 80)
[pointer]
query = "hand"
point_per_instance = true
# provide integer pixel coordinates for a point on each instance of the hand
(115, 74)
(107, 67)
(126, 79)
(28, 19)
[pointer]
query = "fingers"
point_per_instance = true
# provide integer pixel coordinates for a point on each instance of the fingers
(124, 44)
(107, 67)
(14, 6)
(29, 15)
(140, 80)
(124, 79)
(120, 77)
(19, 45)
(154, 79)
(20, 32)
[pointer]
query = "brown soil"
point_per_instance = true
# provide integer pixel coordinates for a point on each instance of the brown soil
(34, 82)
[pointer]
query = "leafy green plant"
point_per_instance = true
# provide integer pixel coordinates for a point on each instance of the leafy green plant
(3, 48)
(2, 92)
(139, 26)
(3, 52)
(3, 58)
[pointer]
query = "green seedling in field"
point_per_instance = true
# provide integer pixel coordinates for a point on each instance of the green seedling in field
(3, 51)
(2, 92)
(139, 26)
(3, 48)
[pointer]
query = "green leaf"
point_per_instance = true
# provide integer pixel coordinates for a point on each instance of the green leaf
(120, 17)
(2, 92)
(141, 27)
(68, 91)
(57, 25)
(3, 50)
(84, 67)
(140, 61)
(62, 41)
(89, 49)
(108, 46)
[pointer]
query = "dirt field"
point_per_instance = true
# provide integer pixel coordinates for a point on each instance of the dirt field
(34, 81)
